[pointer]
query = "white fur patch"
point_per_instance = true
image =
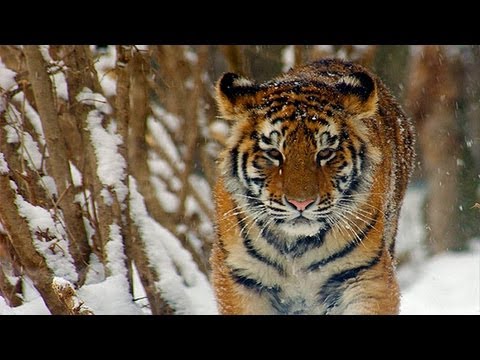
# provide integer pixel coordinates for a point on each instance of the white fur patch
(349, 80)
(242, 82)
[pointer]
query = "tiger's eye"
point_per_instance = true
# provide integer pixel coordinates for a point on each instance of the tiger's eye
(325, 154)
(275, 154)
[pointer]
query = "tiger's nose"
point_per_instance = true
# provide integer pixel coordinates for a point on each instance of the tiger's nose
(300, 205)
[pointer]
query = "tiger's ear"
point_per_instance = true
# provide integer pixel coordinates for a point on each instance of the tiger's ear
(235, 95)
(360, 93)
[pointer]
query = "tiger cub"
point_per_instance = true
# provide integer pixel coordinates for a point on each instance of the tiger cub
(310, 188)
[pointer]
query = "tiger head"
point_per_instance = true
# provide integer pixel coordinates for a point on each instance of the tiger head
(299, 151)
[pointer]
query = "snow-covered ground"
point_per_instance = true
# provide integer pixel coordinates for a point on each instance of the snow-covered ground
(448, 283)
(445, 284)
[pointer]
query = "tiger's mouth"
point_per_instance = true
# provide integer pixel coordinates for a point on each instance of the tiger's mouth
(301, 226)
(305, 223)
(300, 220)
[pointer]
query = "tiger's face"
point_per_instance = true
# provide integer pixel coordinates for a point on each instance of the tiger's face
(296, 159)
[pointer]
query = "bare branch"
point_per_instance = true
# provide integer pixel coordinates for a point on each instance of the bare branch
(67, 295)
(21, 240)
(148, 276)
(81, 74)
(57, 163)
(8, 290)
(235, 59)
(299, 51)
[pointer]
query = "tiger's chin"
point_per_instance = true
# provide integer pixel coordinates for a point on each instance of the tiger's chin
(300, 226)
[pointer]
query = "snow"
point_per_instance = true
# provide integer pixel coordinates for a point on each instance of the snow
(7, 77)
(203, 189)
(29, 147)
(109, 297)
(56, 67)
(164, 140)
(48, 183)
(219, 128)
(411, 231)
(76, 175)
(190, 56)
(104, 65)
(139, 294)
(161, 168)
(447, 284)
(110, 164)
(96, 271)
(31, 153)
(181, 283)
(88, 97)
(288, 57)
(31, 115)
(109, 85)
(168, 200)
(3, 104)
(3, 165)
(171, 121)
(33, 307)
(115, 252)
(49, 238)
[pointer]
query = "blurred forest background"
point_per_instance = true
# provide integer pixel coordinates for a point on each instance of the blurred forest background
(107, 159)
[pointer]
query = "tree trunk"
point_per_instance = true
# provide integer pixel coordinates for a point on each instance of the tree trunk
(57, 161)
(432, 100)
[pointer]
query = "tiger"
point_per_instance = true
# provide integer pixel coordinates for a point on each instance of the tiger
(309, 191)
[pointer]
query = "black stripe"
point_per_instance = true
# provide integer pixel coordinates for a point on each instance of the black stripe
(272, 239)
(267, 140)
(234, 161)
(297, 249)
(251, 198)
(295, 306)
(322, 121)
(259, 157)
(256, 148)
(282, 306)
(247, 282)
(252, 284)
(244, 168)
(306, 243)
(258, 180)
(331, 292)
(361, 155)
(253, 252)
(342, 166)
(331, 139)
(347, 249)
(355, 182)
(391, 248)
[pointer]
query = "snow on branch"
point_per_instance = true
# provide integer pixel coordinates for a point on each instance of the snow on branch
(180, 282)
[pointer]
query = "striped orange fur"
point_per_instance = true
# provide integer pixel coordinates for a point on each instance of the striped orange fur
(309, 193)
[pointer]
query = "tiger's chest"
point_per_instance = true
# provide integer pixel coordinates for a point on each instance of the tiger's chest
(282, 284)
